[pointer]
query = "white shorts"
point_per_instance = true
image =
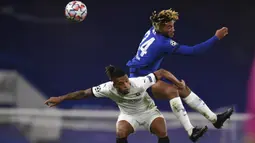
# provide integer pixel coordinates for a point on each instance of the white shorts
(143, 119)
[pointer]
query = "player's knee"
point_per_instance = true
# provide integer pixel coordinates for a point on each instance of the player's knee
(171, 93)
(161, 133)
(185, 92)
(122, 133)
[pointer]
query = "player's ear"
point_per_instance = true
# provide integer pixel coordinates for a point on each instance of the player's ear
(114, 84)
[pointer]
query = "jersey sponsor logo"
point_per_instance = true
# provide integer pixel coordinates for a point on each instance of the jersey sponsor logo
(130, 101)
(98, 89)
(173, 43)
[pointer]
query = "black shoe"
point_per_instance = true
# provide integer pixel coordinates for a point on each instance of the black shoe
(221, 118)
(197, 133)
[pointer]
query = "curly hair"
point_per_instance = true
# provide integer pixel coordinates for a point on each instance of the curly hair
(163, 17)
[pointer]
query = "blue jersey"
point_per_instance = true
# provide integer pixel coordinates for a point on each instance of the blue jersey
(154, 47)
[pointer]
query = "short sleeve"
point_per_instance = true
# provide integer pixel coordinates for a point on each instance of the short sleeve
(102, 90)
(146, 81)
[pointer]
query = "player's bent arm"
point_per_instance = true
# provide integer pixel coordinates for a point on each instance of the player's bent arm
(162, 73)
(78, 95)
(196, 49)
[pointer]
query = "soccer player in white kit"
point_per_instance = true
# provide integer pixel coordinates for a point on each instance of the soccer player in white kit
(136, 106)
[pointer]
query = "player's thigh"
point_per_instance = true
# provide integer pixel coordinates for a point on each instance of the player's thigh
(125, 125)
(155, 123)
(163, 90)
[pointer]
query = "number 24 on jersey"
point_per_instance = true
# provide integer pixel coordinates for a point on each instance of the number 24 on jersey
(144, 45)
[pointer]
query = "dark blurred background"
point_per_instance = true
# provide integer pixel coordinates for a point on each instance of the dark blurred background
(56, 56)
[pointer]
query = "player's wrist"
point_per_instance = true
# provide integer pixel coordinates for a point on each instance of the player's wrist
(217, 38)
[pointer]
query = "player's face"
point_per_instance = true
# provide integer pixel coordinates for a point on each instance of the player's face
(168, 29)
(122, 84)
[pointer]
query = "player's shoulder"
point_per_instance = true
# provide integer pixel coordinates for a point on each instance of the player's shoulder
(142, 79)
(136, 81)
(162, 40)
(107, 86)
(172, 42)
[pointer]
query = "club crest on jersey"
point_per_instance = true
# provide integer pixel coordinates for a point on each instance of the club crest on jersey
(138, 94)
(97, 89)
(173, 43)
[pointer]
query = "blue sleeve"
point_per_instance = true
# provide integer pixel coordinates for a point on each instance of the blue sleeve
(192, 50)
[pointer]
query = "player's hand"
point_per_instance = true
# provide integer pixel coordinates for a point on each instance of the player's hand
(53, 101)
(221, 33)
(181, 84)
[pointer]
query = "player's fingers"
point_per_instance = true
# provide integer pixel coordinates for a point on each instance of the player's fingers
(46, 102)
(226, 30)
(223, 29)
(53, 104)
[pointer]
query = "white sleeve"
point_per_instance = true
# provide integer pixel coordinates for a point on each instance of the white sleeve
(146, 81)
(102, 90)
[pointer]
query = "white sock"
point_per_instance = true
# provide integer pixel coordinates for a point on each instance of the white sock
(180, 112)
(198, 104)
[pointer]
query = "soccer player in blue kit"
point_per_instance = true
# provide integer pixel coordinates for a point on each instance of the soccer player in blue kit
(158, 43)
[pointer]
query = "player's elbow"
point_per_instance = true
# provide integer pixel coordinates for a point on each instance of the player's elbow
(188, 50)
(161, 70)
(160, 73)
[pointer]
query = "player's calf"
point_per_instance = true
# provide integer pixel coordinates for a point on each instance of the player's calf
(123, 130)
(121, 140)
(197, 104)
(158, 127)
(163, 140)
(168, 91)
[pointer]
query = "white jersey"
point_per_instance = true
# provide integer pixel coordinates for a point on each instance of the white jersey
(136, 101)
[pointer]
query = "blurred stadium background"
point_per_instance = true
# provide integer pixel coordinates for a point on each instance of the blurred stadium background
(43, 55)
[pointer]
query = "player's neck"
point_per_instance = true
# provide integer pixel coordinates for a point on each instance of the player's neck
(165, 35)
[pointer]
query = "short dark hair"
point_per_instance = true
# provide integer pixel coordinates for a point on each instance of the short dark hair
(114, 72)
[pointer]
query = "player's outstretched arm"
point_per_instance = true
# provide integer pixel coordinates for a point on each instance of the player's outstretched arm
(202, 47)
(53, 101)
(162, 73)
